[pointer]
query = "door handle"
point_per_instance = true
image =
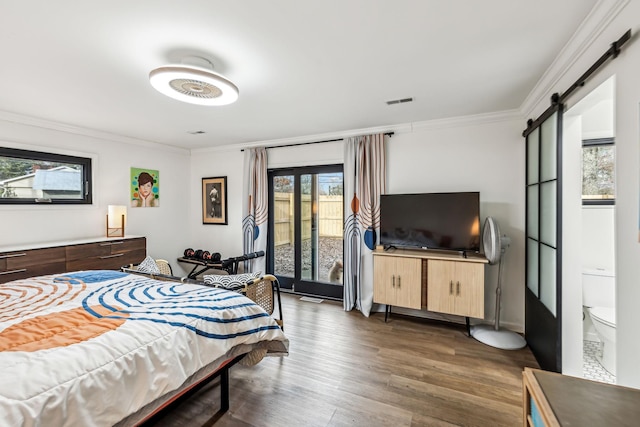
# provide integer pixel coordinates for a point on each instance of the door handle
(399, 281)
(393, 280)
(458, 288)
(450, 287)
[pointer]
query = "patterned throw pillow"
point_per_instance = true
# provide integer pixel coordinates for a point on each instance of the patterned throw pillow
(232, 282)
(148, 266)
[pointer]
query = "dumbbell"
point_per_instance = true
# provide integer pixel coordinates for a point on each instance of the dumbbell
(189, 253)
(198, 254)
(211, 256)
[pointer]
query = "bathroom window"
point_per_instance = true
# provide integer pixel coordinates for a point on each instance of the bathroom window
(598, 171)
(34, 177)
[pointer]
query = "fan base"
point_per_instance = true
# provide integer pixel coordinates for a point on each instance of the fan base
(502, 338)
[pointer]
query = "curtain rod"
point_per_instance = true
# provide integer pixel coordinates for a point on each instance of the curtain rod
(315, 142)
(557, 99)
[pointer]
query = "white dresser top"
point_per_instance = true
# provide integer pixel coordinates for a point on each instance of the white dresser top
(40, 245)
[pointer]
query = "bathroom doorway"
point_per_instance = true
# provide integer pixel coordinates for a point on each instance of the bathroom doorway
(589, 262)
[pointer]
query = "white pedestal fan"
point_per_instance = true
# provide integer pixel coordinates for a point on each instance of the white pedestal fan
(495, 246)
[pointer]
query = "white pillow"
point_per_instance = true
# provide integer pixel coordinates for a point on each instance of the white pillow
(148, 266)
(232, 282)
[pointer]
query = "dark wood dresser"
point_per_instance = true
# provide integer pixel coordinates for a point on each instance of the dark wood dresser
(59, 257)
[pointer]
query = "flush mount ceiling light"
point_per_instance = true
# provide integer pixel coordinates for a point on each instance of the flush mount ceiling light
(194, 82)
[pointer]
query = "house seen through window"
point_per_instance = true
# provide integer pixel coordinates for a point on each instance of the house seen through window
(36, 177)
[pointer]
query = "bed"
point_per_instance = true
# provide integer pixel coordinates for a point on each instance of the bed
(100, 348)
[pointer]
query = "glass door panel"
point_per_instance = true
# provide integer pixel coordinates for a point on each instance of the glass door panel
(533, 148)
(549, 149)
(548, 213)
(532, 211)
(284, 225)
(308, 214)
(532, 270)
(548, 278)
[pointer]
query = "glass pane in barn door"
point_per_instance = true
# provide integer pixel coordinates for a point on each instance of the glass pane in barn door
(284, 225)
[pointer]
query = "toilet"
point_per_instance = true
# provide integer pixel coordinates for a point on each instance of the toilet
(598, 299)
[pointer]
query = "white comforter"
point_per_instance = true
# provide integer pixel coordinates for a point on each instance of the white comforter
(89, 348)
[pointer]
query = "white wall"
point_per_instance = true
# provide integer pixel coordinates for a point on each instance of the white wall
(627, 98)
(165, 227)
(598, 245)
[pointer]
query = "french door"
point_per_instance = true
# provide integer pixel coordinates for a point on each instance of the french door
(306, 228)
(543, 293)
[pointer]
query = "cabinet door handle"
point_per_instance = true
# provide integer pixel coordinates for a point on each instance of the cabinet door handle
(111, 256)
(393, 280)
(458, 288)
(398, 281)
(22, 270)
(450, 287)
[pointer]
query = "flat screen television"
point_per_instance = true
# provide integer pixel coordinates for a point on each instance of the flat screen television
(442, 221)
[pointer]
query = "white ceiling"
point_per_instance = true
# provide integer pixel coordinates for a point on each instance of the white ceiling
(302, 67)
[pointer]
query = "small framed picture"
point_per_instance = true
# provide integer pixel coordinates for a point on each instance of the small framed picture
(214, 200)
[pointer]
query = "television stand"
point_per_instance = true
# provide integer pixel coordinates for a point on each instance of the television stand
(448, 282)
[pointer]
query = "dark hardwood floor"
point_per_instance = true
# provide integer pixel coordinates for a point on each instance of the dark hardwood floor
(347, 370)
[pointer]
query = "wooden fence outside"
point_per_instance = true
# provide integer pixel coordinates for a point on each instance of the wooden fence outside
(330, 217)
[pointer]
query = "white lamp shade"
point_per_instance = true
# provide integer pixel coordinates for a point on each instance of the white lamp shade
(115, 213)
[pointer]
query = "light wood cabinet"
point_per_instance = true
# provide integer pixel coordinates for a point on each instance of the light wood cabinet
(440, 282)
(53, 258)
(398, 282)
(456, 287)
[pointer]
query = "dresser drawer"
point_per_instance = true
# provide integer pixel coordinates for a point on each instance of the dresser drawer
(21, 259)
(34, 262)
(129, 245)
(87, 250)
(32, 271)
(108, 255)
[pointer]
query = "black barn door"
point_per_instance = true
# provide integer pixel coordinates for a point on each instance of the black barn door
(543, 293)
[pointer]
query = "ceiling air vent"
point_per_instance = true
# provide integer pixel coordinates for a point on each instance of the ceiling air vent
(399, 101)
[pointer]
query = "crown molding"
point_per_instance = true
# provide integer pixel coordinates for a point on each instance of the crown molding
(402, 128)
(593, 25)
(461, 121)
(464, 121)
(76, 130)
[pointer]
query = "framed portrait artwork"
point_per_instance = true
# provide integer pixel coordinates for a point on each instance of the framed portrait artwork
(145, 188)
(214, 200)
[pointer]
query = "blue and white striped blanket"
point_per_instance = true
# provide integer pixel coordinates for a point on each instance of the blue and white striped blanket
(89, 348)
